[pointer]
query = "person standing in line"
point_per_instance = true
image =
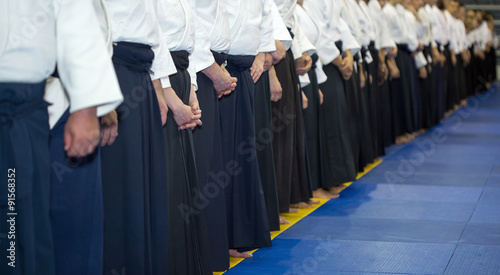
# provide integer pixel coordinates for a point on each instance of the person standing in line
(384, 50)
(26, 63)
(338, 68)
(188, 247)
(84, 77)
(212, 40)
(251, 25)
(264, 97)
(313, 116)
(133, 167)
(441, 38)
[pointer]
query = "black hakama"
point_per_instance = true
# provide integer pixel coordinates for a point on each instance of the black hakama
(315, 135)
(461, 80)
(401, 93)
(133, 172)
(188, 249)
(211, 173)
(365, 134)
(292, 178)
(247, 222)
(374, 103)
(383, 117)
(426, 89)
(75, 207)
(26, 246)
(415, 97)
(493, 62)
(451, 81)
(352, 100)
(387, 136)
(340, 157)
(469, 74)
(264, 145)
(438, 95)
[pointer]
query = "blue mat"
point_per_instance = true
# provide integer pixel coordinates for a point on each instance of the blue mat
(328, 256)
(481, 234)
(425, 179)
(414, 193)
(431, 207)
(487, 213)
(395, 209)
(387, 230)
(490, 195)
(493, 181)
(475, 260)
(420, 164)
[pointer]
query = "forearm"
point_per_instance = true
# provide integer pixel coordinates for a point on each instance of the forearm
(172, 100)
(158, 90)
(214, 72)
(381, 55)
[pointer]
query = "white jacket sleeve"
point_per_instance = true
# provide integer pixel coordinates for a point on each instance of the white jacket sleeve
(348, 40)
(326, 48)
(320, 74)
(420, 60)
(280, 31)
(301, 43)
(83, 61)
(267, 28)
(163, 65)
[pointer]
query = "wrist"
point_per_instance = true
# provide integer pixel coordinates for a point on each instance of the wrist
(213, 72)
(87, 112)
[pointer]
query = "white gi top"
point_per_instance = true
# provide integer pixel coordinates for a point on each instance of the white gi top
(300, 42)
(484, 35)
(400, 31)
(428, 37)
(137, 21)
(313, 35)
(415, 33)
(368, 25)
(251, 24)
(452, 30)
(352, 14)
(439, 26)
(327, 14)
(463, 43)
(83, 61)
(384, 38)
(212, 32)
(177, 30)
(27, 48)
(286, 9)
(280, 30)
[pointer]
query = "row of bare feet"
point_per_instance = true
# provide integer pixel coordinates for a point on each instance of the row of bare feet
(331, 193)
(334, 192)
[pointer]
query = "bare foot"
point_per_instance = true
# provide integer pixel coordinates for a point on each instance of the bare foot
(402, 140)
(322, 194)
(337, 189)
(234, 253)
(301, 205)
(283, 220)
(311, 201)
(293, 210)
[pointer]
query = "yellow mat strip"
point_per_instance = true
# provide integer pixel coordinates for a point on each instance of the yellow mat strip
(293, 218)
